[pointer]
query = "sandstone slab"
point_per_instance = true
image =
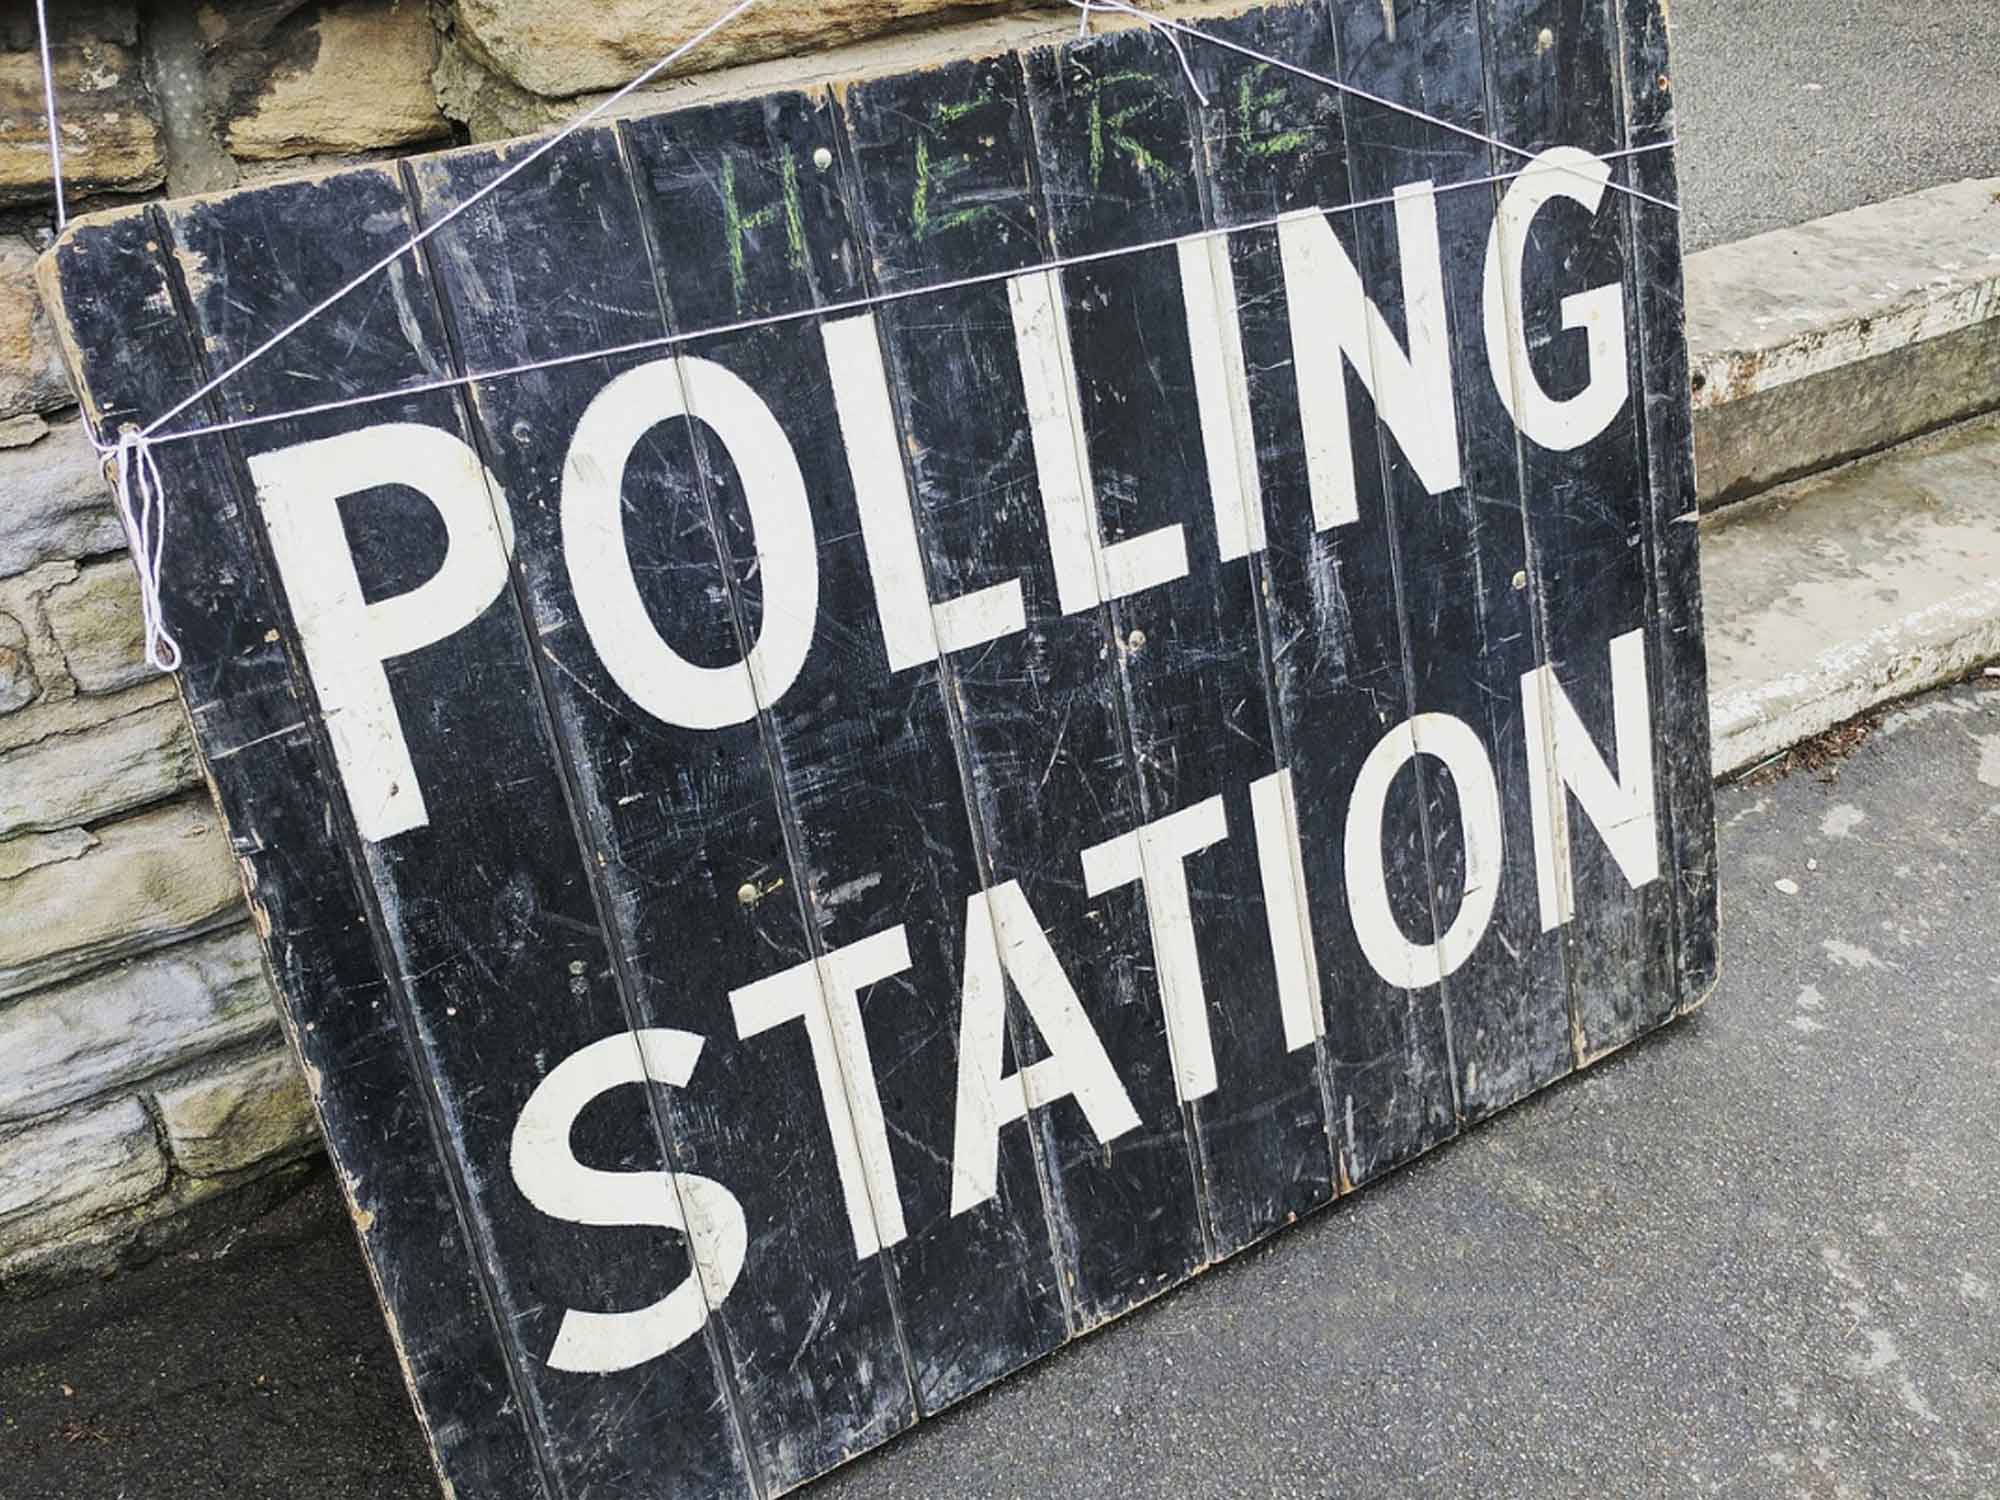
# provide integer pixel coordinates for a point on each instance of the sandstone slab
(149, 880)
(68, 779)
(111, 133)
(54, 502)
(31, 851)
(62, 713)
(31, 372)
(58, 1176)
(130, 1022)
(562, 50)
(252, 1112)
(19, 683)
(96, 623)
(352, 78)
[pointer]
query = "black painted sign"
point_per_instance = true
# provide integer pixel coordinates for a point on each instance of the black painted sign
(1111, 653)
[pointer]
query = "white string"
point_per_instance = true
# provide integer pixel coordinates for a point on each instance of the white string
(839, 308)
(49, 112)
(1085, 7)
(146, 535)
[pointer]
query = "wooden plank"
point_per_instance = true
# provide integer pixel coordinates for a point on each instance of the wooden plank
(419, 1226)
(1172, 476)
(1037, 709)
(477, 908)
(1270, 143)
(677, 788)
(1459, 537)
(753, 196)
(1335, 643)
(1687, 789)
(1555, 80)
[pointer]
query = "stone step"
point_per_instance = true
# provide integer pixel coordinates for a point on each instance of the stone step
(1829, 596)
(1811, 346)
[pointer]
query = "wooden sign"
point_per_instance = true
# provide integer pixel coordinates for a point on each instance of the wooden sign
(1090, 671)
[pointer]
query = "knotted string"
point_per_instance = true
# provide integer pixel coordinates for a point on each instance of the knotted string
(138, 480)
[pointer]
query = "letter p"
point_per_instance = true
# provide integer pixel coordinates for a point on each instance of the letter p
(346, 639)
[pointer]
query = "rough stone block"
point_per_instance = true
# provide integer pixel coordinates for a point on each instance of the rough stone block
(60, 713)
(123, 1024)
(96, 623)
(30, 851)
(56, 1177)
(255, 1111)
(149, 880)
(111, 134)
(54, 502)
(561, 50)
(19, 684)
(125, 763)
(31, 371)
(355, 78)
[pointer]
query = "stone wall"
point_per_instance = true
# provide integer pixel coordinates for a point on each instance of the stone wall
(142, 1072)
(144, 1083)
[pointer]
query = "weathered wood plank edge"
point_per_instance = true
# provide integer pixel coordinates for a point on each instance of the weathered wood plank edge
(383, 1257)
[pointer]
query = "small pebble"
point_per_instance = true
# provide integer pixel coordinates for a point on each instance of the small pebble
(1789, 887)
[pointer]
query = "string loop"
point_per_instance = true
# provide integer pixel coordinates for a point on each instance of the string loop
(142, 507)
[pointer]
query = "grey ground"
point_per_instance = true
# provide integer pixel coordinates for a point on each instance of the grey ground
(1791, 109)
(1756, 1255)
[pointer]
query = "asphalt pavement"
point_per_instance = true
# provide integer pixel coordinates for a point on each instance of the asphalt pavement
(1755, 1255)
(1792, 109)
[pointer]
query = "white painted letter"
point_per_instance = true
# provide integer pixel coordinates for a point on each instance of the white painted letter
(1001, 934)
(1562, 756)
(1393, 955)
(1222, 395)
(1275, 814)
(1156, 855)
(657, 677)
(1087, 571)
(555, 1182)
(1560, 172)
(1331, 318)
(913, 628)
(346, 640)
(825, 994)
